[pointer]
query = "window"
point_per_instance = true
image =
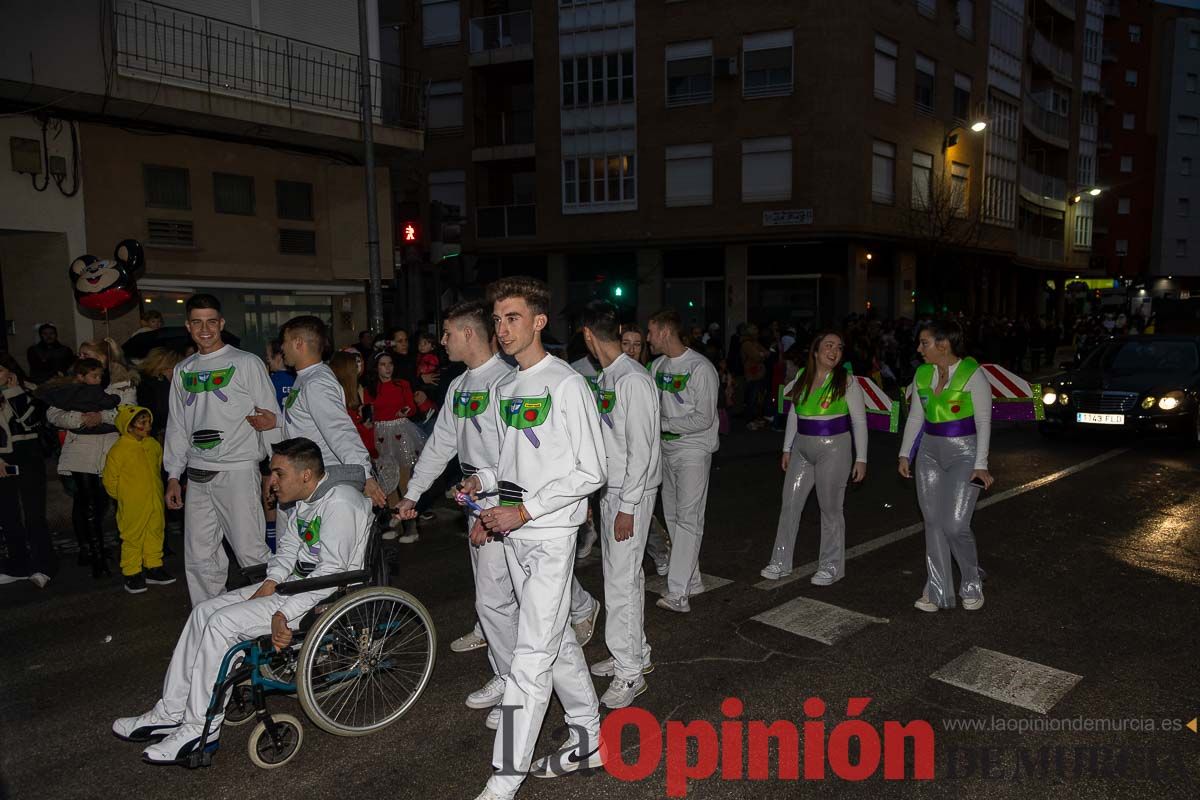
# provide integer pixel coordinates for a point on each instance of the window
(440, 23)
(767, 64)
(1131, 77)
(1122, 248)
(169, 232)
(926, 85)
(927, 8)
(766, 169)
(1126, 163)
(1194, 40)
(1185, 166)
(1087, 169)
(964, 18)
(922, 179)
(1189, 83)
(293, 200)
(885, 68)
(449, 187)
(1123, 205)
(167, 187)
(597, 79)
(689, 73)
(1093, 48)
(1187, 125)
(1000, 170)
(1135, 33)
(689, 175)
(883, 172)
(1128, 121)
(445, 107)
(599, 181)
(960, 178)
(1183, 207)
(962, 97)
(293, 242)
(1181, 248)
(233, 194)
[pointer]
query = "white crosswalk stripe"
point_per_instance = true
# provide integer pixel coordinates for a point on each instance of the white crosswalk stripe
(658, 583)
(1032, 686)
(812, 619)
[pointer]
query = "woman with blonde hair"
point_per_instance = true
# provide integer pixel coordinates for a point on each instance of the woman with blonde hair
(154, 389)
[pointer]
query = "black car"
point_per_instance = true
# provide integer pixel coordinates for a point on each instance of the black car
(1135, 384)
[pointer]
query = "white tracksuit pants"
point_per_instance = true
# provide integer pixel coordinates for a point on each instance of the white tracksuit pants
(212, 628)
(229, 505)
(546, 657)
(685, 496)
(625, 585)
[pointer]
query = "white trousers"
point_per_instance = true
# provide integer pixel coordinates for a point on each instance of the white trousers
(625, 585)
(229, 506)
(212, 628)
(546, 657)
(685, 496)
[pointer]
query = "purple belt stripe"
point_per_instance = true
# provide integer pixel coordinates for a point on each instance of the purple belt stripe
(824, 426)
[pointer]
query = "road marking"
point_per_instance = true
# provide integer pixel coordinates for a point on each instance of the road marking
(903, 533)
(1009, 679)
(815, 620)
(658, 583)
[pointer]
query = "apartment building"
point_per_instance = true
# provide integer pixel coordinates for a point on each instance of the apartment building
(225, 135)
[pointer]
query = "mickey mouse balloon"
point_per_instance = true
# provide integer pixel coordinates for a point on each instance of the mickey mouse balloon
(107, 286)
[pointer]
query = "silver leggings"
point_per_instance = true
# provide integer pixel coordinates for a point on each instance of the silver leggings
(823, 462)
(947, 499)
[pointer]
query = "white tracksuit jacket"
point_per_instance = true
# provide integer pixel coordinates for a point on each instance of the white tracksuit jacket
(688, 388)
(627, 401)
(316, 410)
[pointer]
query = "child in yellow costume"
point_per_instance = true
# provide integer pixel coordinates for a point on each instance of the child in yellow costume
(133, 476)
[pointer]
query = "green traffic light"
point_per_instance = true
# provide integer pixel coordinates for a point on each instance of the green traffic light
(618, 291)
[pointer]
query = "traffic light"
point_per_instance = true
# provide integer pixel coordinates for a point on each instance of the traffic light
(445, 232)
(618, 291)
(410, 232)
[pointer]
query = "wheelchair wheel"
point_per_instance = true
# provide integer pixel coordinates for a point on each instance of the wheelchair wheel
(240, 708)
(263, 751)
(365, 661)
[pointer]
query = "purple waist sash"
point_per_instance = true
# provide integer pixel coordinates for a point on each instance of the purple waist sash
(958, 427)
(823, 426)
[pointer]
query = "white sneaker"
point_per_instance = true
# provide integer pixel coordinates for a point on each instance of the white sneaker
(11, 578)
(969, 603)
(184, 740)
(621, 692)
(493, 718)
(489, 694)
(390, 535)
(568, 758)
(676, 603)
(409, 538)
(586, 628)
(488, 794)
(608, 668)
(774, 571)
(149, 727)
(824, 577)
(590, 537)
(924, 604)
(39, 579)
(468, 642)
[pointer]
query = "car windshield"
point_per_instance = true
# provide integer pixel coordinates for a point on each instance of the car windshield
(1147, 356)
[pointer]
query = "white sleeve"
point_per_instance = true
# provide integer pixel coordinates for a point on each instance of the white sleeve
(789, 431)
(858, 418)
(287, 548)
(588, 473)
(641, 437)
(175, 441)
(912, 425)
(66, 420)
(263, 393)
(981, 399)
(706, 385)
(327, 405)
(441, 447)
(339, 543)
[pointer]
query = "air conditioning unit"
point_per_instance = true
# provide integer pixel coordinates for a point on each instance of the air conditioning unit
(725, 67)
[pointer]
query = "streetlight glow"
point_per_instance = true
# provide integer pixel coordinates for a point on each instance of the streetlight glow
(978, 126)
(1094, 191)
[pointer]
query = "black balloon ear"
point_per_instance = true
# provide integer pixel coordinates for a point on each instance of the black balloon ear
(129, 253)
(79, 265)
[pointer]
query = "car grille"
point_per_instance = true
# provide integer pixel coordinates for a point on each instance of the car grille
(1104, 402)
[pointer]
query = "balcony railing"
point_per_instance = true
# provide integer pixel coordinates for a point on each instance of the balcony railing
(1064, 7)
(1051, 56)
(1049, 122)
(1046, 186)
(501, 30)
(508, 127)
(164, 44)
(503, 222)
(1039, 247)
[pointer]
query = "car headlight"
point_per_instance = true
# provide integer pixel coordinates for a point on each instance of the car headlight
(1049, 398)
(1148, 402)
(1171, 401)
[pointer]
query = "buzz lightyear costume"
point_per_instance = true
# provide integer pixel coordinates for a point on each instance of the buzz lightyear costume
(946, 438)
(208, 437)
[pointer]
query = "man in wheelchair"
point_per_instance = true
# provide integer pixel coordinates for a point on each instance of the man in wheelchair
(326, 528)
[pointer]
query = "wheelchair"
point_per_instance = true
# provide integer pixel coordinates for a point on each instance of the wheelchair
(358, 662)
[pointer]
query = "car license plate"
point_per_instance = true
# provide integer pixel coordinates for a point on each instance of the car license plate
(1100, 419)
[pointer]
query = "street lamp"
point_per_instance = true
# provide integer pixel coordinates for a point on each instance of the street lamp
(950, 138)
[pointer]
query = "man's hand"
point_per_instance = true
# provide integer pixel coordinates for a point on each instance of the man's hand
(859, 473)
(281, 634)
(261, 419)
(903, 468)
(623, 526)
(266, 589)
(783, 462)
(174, 495)
(479, 534)
(406, 510)
(90, 419)
(502, 519)
(470, 487)
(373, 490)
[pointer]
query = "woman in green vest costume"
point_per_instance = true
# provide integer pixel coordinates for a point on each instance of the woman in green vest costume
(946, 441)
(828, 405)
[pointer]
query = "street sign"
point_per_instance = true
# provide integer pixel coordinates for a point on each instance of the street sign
(791, 216)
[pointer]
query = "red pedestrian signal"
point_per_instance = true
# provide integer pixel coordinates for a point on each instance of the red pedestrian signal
(411, 233)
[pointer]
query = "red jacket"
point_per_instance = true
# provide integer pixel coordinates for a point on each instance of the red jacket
(392, 400)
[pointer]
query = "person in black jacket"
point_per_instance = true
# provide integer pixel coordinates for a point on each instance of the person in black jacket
(49, 357)
(22, 496)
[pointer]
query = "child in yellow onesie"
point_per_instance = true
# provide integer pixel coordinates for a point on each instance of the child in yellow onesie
(132, 475)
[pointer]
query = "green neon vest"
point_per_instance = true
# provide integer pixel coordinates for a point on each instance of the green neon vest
(954, 402)
(819, 403)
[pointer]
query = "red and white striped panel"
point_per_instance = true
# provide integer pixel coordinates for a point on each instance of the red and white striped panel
(1006, 384)
(876, 399)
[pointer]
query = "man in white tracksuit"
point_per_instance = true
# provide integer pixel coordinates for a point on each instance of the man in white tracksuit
(551, 460)
(316, 408)
(627, 402)
(208, 435)
(688, 386)
(324, 527)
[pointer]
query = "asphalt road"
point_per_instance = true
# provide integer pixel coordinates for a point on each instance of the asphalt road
(1095, 574)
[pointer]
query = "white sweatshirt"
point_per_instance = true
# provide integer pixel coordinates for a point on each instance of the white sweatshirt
(320, 535)
(474, 437)
(858, 418)
(211, 396)
(555, 460)
(688, 388)
(981, 400)
(316, 410)
(627, 401)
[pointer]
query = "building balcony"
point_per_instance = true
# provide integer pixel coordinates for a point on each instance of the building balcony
(506, 222)
(504, 135)
(1039, 248)
(1047, 125)
(1052, 57)
(1064, 7)
(501, 38)
(1044, 188)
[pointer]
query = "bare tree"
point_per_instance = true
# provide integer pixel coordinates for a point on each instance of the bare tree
(941, 218)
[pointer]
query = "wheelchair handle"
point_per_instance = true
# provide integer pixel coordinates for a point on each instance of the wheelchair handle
(335, 581)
